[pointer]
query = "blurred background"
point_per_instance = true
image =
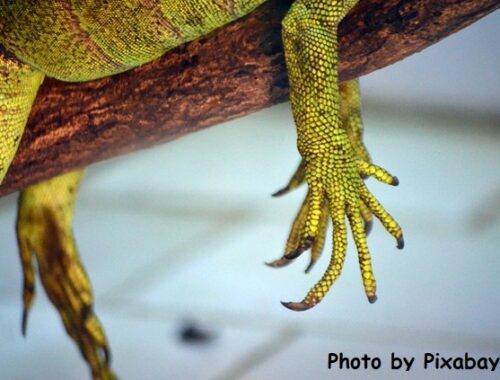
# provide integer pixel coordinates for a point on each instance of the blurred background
(176, 236)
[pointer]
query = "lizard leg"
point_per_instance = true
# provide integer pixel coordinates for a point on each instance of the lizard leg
(350, 112)
(334, 168)
(44, 228)
(19, 84)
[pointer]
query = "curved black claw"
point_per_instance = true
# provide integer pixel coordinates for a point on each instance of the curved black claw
(24, 322)
(309, 267)
(401, 242)
(395, 181)
(372, 299)
(296, 306)
(279, 263)
(308, 242)
(106, 354)
(280, 192)
(368, 227)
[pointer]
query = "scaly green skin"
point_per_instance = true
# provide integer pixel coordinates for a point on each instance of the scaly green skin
(18, 86)
(333, 170)
(351, 122)
(76, 40)
(80, 40)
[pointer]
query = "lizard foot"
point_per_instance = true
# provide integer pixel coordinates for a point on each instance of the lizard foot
(44, 223)
(338, 192)
(297, 242)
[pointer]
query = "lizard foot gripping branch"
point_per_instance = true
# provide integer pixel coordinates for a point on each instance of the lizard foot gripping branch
(335, 161)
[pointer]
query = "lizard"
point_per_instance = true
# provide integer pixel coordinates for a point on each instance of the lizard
(81, 40)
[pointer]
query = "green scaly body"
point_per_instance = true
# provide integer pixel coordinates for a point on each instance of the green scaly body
(79, 40)
(74, 40)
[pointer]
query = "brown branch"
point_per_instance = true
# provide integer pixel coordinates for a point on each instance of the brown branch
(234, 71)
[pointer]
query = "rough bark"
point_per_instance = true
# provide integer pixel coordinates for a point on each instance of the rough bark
(234, 71)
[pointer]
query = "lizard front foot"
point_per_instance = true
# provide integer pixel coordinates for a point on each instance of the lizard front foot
(44, 227)
(333, 164)
(337, 193)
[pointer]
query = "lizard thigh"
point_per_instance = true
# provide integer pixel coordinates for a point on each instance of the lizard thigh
(19, 84)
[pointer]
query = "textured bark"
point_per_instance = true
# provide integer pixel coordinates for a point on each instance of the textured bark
(234, 71)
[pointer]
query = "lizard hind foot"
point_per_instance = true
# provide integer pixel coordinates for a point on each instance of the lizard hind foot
(44, 227)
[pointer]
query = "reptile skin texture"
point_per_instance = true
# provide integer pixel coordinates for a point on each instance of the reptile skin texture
(80, 40)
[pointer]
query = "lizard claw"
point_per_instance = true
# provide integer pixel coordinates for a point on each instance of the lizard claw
(401, 242)
(348, 197)
(296, 180)
(368, 227)
(279, 263)
(280, 192)
(296, 306)
(308, 243)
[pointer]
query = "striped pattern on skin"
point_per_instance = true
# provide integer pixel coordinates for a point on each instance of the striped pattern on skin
(80, 40)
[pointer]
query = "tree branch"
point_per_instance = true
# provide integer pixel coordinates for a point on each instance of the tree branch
(234, 71)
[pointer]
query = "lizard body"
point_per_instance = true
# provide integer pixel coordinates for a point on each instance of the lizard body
(76, 40)
(80, 40)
